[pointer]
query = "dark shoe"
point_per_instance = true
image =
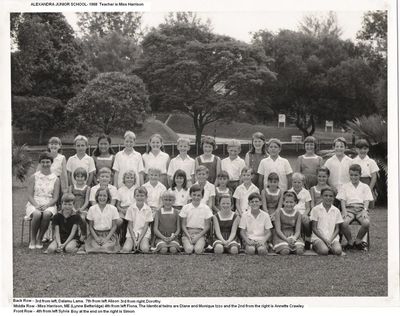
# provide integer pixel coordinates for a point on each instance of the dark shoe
(363, 246)
(307, 245)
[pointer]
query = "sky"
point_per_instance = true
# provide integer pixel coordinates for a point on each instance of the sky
(239, 25)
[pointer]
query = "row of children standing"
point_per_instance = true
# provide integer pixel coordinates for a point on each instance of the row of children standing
(142, 181)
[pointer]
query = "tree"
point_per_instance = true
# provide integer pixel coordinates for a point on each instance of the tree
(110, 102)
(206, 76)
(320, 26)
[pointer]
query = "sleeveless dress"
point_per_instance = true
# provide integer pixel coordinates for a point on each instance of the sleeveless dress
(218, 194)
(288, 228)
(225, 226)
(308, 167)
(254, 162)
(80, 196)
(167, 223)
(211, 166)
(43, 192)
(101, 162)
(272, 200)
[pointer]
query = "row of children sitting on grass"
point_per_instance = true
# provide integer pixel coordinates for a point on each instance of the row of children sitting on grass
(272, 171)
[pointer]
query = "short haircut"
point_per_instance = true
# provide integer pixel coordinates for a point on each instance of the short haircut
(167, 194)
(323, 169)
(275, 141)
(46, 155)
(68, 197)
(208, 140)
(273, 176)
(361, 143)
(108, 194)
(183, 140)
(130, 134)
(292, 194)
(182, 174)
(246, 169)
(104, 170)
(298, 176)
(310, 139)
(233, 143)
(55, 140)
(196, 188)
(340, 140)
(80, 172)
(129, 173)
(225, 196)
(202, 168)
(355, 167)
(254, 195)
(141, 190)
(223, 174)
(81, 137)
(154, 170)
(328, 189)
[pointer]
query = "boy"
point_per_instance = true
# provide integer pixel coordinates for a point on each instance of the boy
(182, 161)
(243, 191)
(104, 178)
(209, 189)
(128, 159)
(65, 225)
(255, 227)
(233, 164)
(155, 189)
(80, 159)
(325, 221)
(196, 220)
(355, 197)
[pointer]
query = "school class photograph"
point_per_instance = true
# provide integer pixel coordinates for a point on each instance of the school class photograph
(193, 154)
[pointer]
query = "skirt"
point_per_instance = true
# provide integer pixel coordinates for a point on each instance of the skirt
(30, 208)
(111, 246)
(280, 243)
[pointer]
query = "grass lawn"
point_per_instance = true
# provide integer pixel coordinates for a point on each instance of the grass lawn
(357, 274)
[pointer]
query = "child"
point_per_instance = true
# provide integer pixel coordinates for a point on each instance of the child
(243, 191)
(104, 177)
(255, 227)
(102, 219)
(207, 159)
(272, 196)
(156, 158)
(355, 197)
(155, 189)
(209, 189)
(65, 225)
(167, 225)
(103, 156)
(81, 159)
(257, 153)
(179, 189)
(59, 165)
(287, 230)
(233, 164)
(275, 163)
(139, 216)
(195, 222)
(325, 221)
(308, 163)
(225, 224)
(128, 159)
(182, 161)
(338, 165)
(221, 188)
(315, 191)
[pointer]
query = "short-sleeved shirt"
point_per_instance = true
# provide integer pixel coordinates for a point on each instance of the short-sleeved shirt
(113, 190)
(65, 225)
(126, 196)
(209, 191)
(139, 218)
(181, 197)
(303, 196)
(102, 220)
(233, 167)
(124, 162)
(186, 165)
(280, 166)
(196, 216)
(339, 171)
(86, 163)
(355, 195)
(242, 194)
(368, 166)
(157, 162)
(154, 194)
(326, 220)
(255, 226)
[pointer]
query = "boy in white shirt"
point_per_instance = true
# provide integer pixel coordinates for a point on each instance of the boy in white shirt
(233, 164)
(209, 189)
(242, 192)
(355, 197)
(155, 189)
(182, 161)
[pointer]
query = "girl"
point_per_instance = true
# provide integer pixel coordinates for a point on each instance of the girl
(288, 227)
(59, 165)
(102, 219)
(167, 225)
(315, 191)
(308, 163)
(257, 153)
(243, 191)
(225, 225)
(272, 196)
(103, 156)
(179, 189)
(207, 159)
(221, 188)
(156, 158)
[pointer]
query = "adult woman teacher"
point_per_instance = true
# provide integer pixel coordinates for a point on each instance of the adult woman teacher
(43, 191)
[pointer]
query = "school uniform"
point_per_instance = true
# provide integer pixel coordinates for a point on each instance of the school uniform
(126, 196)
(308, 166)
(272, 200)
(326, 221)
(303, 197)
(233, 168)
(186, 165)
(368, 167)
(181, 197)
(138, 219)
(159, 162)
(242, 194)
(80, 195)
(113, 190)
(167, 225)
(154, 194)
(339, 171)
(124, 162)
(209, 191)
(255, 226)
(288, 228)
(211, 165)
(280, 166)
(86, 163)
